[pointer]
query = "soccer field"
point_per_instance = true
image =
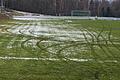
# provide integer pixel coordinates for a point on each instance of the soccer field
(62, 49)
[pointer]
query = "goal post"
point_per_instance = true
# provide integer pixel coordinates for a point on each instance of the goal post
(80, 13)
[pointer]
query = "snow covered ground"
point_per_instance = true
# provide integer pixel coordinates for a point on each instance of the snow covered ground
(42, 17)
(58, 32)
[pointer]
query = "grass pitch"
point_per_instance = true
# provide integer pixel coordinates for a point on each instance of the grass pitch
(63, 50)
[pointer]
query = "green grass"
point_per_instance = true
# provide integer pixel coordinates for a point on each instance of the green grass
(44, 70)
(98, 49)
(99, 25)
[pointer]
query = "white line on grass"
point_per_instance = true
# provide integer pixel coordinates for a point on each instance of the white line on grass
(44, 59)
(55, 59)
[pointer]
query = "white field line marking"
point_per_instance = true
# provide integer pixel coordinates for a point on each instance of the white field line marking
(55, 59)
(43, 59)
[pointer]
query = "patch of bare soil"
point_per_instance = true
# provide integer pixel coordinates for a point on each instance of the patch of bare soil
(4, 16)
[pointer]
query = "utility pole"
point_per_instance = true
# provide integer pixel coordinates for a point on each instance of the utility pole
(2, 6)
(99, 4)
(89, 7)
(89, 4)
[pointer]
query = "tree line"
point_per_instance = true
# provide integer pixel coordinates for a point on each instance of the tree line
(64, 7)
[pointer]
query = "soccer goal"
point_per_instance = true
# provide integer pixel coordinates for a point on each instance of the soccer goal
(80, 13)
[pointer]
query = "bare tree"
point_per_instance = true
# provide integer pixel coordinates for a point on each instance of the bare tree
(116, 8)
(64, 7)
